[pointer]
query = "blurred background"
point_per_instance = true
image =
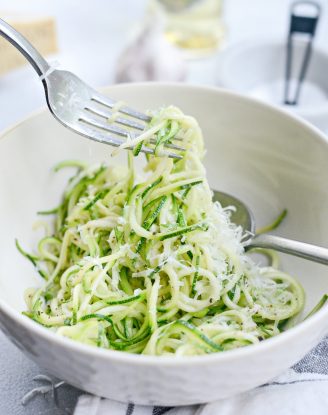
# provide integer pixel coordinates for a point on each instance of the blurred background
(235, 44)
(254, 47)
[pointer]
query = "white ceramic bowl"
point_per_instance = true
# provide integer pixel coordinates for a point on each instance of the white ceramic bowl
(257, 68)
(266, 157)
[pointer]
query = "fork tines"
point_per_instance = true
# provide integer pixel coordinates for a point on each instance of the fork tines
(101, 108)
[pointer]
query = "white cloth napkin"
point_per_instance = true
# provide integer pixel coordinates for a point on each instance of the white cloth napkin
(302, 390)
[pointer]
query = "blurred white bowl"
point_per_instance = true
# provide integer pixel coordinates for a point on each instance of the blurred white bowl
(257, 68)
(265, 156)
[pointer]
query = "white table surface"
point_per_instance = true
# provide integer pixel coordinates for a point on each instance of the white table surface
(91, 35)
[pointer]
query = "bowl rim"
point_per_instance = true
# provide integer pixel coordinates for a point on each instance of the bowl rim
(233, 50)
(168, 361)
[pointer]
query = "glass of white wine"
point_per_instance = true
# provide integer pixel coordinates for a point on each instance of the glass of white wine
(195, 26)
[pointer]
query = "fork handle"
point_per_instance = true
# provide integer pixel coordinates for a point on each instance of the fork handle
(25, 47)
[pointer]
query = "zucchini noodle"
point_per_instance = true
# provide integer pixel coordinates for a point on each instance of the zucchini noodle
(150, 264)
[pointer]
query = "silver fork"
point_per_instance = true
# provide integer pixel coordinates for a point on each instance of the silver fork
(81, 108)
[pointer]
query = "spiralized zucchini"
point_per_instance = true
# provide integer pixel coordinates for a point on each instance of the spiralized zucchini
(151, 265)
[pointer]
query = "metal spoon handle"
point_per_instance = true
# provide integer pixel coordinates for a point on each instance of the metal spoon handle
(289, 246)
(25, 47)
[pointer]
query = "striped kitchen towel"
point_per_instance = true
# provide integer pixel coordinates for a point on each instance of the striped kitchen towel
(302, 390)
